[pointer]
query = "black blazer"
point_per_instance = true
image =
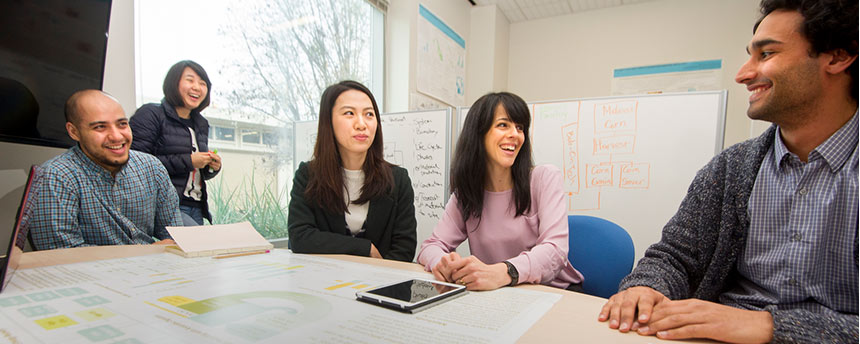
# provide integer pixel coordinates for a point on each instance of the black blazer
(390, 223)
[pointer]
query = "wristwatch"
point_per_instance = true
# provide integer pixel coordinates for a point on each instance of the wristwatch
(512, 271)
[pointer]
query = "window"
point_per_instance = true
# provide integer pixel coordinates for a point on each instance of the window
(251, 136)
(224, 134)
(270, 139)
(269, 61)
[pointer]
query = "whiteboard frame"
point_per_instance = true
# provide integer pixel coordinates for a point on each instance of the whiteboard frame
(462, 111)
(448, 145)
(721, 112)
(296, 161)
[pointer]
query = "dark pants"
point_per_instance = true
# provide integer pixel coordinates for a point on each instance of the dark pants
(577, 287)
(191, 216)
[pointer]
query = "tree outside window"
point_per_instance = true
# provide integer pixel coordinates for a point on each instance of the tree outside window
(269, 61)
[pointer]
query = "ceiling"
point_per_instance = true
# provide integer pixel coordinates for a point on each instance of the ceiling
(523, 10)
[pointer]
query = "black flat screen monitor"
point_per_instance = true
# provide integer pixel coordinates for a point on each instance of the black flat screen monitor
(48, 50)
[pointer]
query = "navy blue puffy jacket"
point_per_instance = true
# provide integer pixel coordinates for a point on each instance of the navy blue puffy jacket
(157, 129)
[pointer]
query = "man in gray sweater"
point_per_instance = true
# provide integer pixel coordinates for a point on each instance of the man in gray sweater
(764, 247)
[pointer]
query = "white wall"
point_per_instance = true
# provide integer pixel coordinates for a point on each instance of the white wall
(399, 50)
(573, 56)
(500, 64)
(487, 55)
(119, 60)
(16, 161)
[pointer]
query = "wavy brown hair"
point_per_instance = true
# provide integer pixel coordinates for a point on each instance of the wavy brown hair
(325, 184)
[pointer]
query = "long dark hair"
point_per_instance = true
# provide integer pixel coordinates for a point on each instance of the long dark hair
(469, 167)
(171, 84)
(325, 185)
(828, 26)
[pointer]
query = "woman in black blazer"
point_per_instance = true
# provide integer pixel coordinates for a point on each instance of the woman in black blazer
(348, 199)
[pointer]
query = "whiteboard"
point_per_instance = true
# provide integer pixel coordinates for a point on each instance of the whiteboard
(418, 141)
(629, 159)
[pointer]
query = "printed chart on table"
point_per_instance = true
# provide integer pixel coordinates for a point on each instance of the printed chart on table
(275, 297)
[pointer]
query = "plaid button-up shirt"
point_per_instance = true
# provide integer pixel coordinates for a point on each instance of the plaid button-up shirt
(78, 203)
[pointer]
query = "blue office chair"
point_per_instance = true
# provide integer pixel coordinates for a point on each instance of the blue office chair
(602, 251)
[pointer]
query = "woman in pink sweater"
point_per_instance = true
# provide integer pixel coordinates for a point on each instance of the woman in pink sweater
(512, 212)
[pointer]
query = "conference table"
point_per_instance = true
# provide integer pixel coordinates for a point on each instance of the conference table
(571, 318)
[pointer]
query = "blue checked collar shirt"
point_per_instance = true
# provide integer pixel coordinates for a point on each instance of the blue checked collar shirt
(802, 246)
(79, 203)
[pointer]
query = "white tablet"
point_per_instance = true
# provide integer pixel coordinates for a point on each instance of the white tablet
(410, 296)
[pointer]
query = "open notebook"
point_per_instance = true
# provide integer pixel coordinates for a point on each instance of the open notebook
(16, 234)
(201, 241)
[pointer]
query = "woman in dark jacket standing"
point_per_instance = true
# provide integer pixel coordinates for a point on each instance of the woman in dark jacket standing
(177, 134)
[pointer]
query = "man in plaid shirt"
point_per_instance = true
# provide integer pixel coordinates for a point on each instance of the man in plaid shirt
(99, 192)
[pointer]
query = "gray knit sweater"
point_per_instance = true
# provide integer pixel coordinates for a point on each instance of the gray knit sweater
(698, 252)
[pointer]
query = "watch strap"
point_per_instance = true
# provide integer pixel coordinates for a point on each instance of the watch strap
(513, 273)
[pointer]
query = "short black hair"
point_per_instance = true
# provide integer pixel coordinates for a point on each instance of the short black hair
(171, 83)
(828, 25)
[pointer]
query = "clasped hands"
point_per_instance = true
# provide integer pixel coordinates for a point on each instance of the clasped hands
(684, 319)
(471, 272)
(201, 159)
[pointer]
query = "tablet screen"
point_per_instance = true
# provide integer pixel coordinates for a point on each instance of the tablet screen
(413, 291)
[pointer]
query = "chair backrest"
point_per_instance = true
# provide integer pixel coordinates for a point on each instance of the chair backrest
(602, 251)
(10, 254)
